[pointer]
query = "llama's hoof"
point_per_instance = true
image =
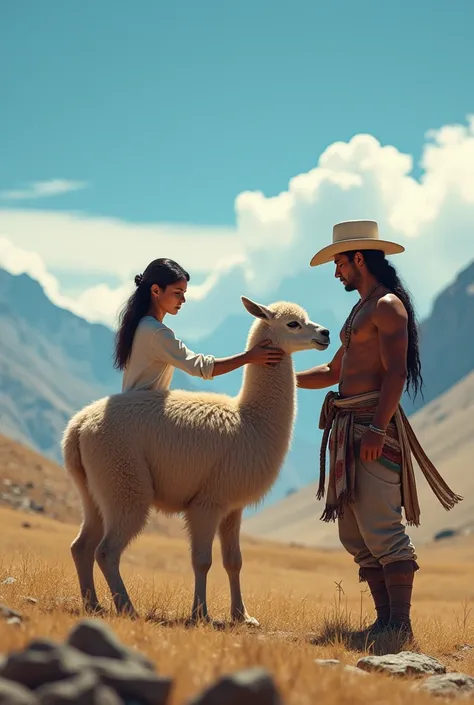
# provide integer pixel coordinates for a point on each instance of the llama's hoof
(251, 622)
(246, 620)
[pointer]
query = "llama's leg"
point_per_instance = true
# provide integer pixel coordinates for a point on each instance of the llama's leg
(202, 525)
(229, 533)
(121, 526)
(83, 549)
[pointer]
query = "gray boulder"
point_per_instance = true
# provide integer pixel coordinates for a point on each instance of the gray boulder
(94, 638)
(406, 663)
(83, 689)
(448, 685)
(15, 694)
(252, 686)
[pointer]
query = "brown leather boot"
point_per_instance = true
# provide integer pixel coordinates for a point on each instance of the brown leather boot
(399, 581)
(376, 581)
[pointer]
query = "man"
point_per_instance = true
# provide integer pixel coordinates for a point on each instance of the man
(370, 440)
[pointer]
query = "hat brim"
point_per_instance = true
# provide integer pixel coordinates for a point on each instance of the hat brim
(328, 253)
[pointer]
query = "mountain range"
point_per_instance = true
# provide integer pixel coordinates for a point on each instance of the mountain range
(52, 362)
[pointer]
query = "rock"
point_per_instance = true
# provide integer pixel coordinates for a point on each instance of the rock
(44, 661)
(9, 581)
(30, 600)
(449, 685)
(42, 645)
(445, 534)
(14, 621)
(35, 507)
(406, 663)
(26, 525)
(254, 686)
(132, 681)
(15, 694)
(333, 662)
(93, 637)
(355, 671)
(9, 615)
(83, 689)
(465, 647)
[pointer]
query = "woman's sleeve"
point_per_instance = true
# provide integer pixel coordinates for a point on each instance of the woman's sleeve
(173, 351)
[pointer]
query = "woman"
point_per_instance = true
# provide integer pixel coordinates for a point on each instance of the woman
(147, 351)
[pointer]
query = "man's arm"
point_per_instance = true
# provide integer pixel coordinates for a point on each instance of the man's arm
(322, 375)
(391, 319)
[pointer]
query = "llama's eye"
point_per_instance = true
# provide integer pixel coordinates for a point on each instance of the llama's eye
(293, 324)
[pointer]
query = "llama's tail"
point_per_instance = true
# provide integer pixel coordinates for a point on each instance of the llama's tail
(71, 450)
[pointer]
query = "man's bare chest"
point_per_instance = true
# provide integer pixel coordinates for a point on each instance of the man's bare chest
(361, 329)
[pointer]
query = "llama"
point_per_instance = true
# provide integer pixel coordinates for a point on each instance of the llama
(201, 454)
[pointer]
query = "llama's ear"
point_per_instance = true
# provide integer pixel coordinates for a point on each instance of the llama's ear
(257, 310)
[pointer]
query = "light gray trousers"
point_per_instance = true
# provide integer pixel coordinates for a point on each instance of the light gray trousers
(371, 529)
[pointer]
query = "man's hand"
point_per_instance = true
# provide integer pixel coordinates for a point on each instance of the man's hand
(322, 375)
(371, 445)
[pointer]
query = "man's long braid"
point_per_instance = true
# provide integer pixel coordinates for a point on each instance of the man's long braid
(386, 274)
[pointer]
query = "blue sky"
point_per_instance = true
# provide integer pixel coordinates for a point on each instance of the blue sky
(169, 110)
(177, 123)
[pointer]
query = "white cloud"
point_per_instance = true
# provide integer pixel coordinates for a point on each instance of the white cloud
(43, 189)
(275, 237)
(107, 246)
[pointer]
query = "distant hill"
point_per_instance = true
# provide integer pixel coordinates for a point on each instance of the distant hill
(444, 427)
(447, 339)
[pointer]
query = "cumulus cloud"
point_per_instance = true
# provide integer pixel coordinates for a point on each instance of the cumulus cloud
(43, 189)
(98, 245)
(274, 238)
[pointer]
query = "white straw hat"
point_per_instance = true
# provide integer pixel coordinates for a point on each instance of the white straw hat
(355, 235)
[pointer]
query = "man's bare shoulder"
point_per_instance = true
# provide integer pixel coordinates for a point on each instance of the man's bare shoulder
(389, 311)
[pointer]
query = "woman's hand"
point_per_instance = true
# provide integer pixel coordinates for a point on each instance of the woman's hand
(264, 354)
(371, 445)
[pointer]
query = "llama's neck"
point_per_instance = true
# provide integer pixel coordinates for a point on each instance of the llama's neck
(267, 405)
(271, 394)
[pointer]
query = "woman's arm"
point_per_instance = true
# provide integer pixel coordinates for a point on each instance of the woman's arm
(260, 354)
(170, 349)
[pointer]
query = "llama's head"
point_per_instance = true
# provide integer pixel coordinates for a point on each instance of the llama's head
(287, 325)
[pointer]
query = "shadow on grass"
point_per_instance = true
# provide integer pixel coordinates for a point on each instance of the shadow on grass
(162, 620)
(339, 630)
(186, 623)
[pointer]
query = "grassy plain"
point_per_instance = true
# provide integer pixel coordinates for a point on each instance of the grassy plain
(292, 591)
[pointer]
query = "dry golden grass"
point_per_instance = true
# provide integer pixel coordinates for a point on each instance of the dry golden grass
(291, 591)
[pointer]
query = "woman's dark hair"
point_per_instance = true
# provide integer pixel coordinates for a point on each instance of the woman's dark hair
(162, 272)
(386, 274)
